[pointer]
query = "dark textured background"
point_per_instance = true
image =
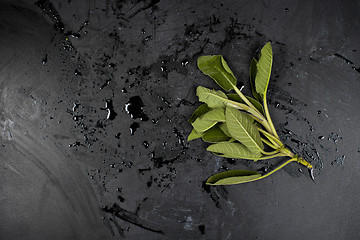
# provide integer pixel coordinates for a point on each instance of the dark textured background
(94, 101)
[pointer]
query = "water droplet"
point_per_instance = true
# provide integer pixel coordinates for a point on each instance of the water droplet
(338, 161)
(72, 34)
(334, 137)
(147, 38)
(77, 73)
(202, 229)
(118, 135)
(111, 114)
(321, 137)
(134, 108)
(75, 144)
(184, 62)
(75, 106)
(291, 101)
(45, 59)
(168, 104)
(287, 131)
(77, 117)
(319, 112)
(146, 144)
(133, 127)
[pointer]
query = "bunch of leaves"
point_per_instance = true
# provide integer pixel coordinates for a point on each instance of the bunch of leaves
(238, 126)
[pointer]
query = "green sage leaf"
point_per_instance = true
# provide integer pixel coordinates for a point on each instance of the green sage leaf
(214, 135)
(227, 68)
(241, 128)
(256, 103)
(193, 135)
(217, 114)
(233, 150)
(263, 70)
(253, 71)
(213, 98)
(216, 67)
(224, 129)
(201, 125)
(201, 110)
(233, 177)
(224, 155)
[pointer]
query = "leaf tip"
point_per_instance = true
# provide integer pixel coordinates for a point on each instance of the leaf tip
(209, 183)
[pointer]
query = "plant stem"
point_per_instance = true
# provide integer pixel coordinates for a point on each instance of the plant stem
(287, 152)
(254, 159)
(293, 159)
(267, 115)
(271, 156)
(304, 162)
(278, 168)
(273, 171)
(257, 116)
(300, 160)
(242, 96)
(273, 139)
(271, 153)
(269, 144)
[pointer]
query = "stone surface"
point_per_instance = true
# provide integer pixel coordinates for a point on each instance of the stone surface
(95, 97)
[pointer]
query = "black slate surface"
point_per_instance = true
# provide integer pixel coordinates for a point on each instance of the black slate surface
(94, 101)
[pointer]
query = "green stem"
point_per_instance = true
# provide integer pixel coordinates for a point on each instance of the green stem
(240, 106)
(273, 171)
(257, 116)
(287, 152)
(269, 143)
(304, 162)
(269, 124)
(279, 167)
(242, 96)
(267, 115)
(272, 153)
(273, 139)
(300, 160)
(293, 159)
(268, 157)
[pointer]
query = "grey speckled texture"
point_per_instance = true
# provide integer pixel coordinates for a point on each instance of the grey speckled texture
(76, 76)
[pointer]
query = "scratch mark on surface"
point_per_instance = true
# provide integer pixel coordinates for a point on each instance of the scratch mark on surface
(14, 170)
(130, 217)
